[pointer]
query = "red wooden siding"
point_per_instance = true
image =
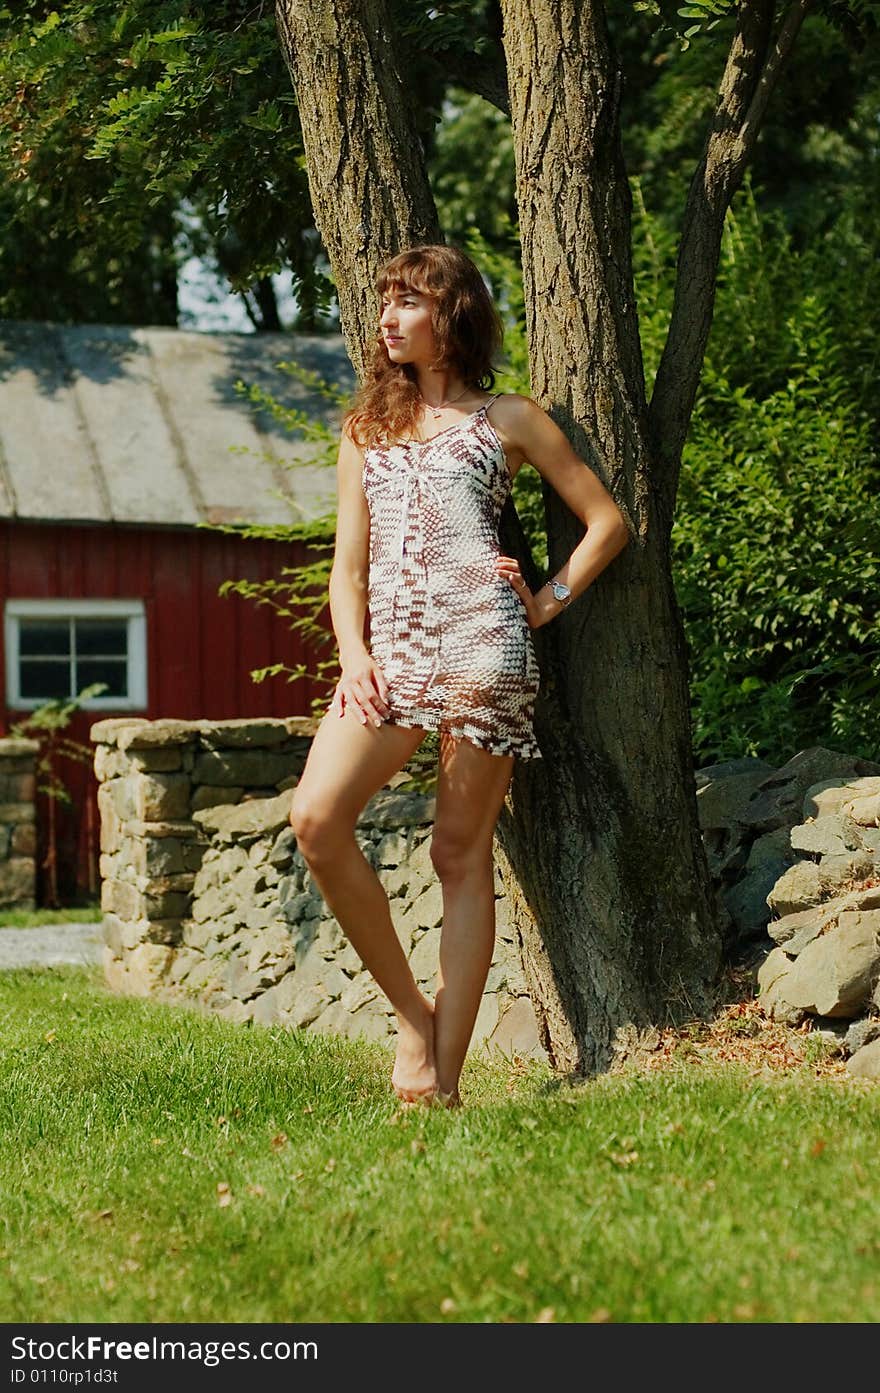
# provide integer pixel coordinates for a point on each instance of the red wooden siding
(201, 647)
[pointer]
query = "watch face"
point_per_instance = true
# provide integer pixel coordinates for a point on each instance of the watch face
(561, 591)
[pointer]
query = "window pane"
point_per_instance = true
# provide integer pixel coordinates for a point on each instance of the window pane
(109, 670)
(101, 637)
(44, 636)
(42, 680)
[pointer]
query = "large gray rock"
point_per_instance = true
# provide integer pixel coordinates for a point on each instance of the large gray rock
(865, 1063)
(800, 887)
(772, 975)
(832, 795)
(865, 808)
(791, 927)
(779, 800)
(862, 1033)
(746, 902)
(258, 815)
(243, 733)
(835, 974)
(835, 834)
(387, 809)
(250, 768)
(723, 792)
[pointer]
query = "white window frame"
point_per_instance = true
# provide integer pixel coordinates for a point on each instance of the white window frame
(132, 610)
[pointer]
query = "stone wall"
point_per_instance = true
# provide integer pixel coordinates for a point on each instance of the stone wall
(18, 827)
(207, 901)
(795, 854)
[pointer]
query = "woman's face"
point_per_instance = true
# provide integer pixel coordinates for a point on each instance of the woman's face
(407, 326)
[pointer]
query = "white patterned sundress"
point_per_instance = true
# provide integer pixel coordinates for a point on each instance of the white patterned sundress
(450, 635)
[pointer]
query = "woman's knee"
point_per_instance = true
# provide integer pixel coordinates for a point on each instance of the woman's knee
(455, 856)
(318, 826)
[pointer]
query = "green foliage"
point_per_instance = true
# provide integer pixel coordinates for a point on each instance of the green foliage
(46, 724)
(472, 172)
(857, 19)
(148, 121)
(776, 543)
(699, 16)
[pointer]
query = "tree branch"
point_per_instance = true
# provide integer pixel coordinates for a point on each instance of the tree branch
(484, 74)
(751, 72)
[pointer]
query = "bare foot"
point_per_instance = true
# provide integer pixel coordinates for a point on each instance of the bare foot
(414, 1077)
(447, 1100)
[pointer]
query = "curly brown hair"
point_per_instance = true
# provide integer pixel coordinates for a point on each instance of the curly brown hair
(467, 331)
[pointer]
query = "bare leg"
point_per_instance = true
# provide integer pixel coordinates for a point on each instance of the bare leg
(348, 762)
(470, 793)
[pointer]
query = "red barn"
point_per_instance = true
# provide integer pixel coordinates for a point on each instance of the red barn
(117, 446)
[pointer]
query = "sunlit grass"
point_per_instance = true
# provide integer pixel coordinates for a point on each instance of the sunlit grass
(36, 918)
(162, 1165)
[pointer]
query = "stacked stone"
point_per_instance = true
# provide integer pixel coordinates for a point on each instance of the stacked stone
(18, 828)
(827, 927)
(154, 777)
(747, 812)
(208, 901)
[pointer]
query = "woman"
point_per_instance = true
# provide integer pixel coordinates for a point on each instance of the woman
(426, 461)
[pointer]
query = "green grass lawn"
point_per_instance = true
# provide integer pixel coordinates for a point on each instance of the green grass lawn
(160, 1165)
(36, 918)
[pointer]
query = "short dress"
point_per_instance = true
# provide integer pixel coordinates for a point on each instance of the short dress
(450, 635)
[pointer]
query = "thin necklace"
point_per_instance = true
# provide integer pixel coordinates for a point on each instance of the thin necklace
(450, 401)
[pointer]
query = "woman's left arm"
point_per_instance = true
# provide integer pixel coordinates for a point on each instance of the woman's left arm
(540, 441)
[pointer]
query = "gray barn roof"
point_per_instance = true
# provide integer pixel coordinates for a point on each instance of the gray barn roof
(109, 423)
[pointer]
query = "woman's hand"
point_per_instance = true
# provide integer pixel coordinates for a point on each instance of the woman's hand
(537, 612)
(363, 689)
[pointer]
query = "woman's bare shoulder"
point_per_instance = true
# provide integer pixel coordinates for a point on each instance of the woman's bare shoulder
(350, 449)
(516, 416)
(514, 404)
(513, 409)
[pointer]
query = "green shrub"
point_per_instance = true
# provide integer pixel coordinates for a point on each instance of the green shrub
(776, 543)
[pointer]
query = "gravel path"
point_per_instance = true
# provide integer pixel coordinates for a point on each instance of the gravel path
(50, 946)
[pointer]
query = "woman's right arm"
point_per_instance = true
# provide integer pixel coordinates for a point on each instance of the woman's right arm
(362, 684)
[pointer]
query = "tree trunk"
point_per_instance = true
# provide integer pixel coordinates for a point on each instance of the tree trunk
(615, 909)
(370, 193)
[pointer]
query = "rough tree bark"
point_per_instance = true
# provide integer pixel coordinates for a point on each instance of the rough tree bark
(369, 189)
(605, 867)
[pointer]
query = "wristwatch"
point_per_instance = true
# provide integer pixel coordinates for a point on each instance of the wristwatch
(561, 591)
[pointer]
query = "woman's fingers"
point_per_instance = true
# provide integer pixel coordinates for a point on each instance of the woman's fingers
(366, 692)
(367, 700)
(509, 568)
